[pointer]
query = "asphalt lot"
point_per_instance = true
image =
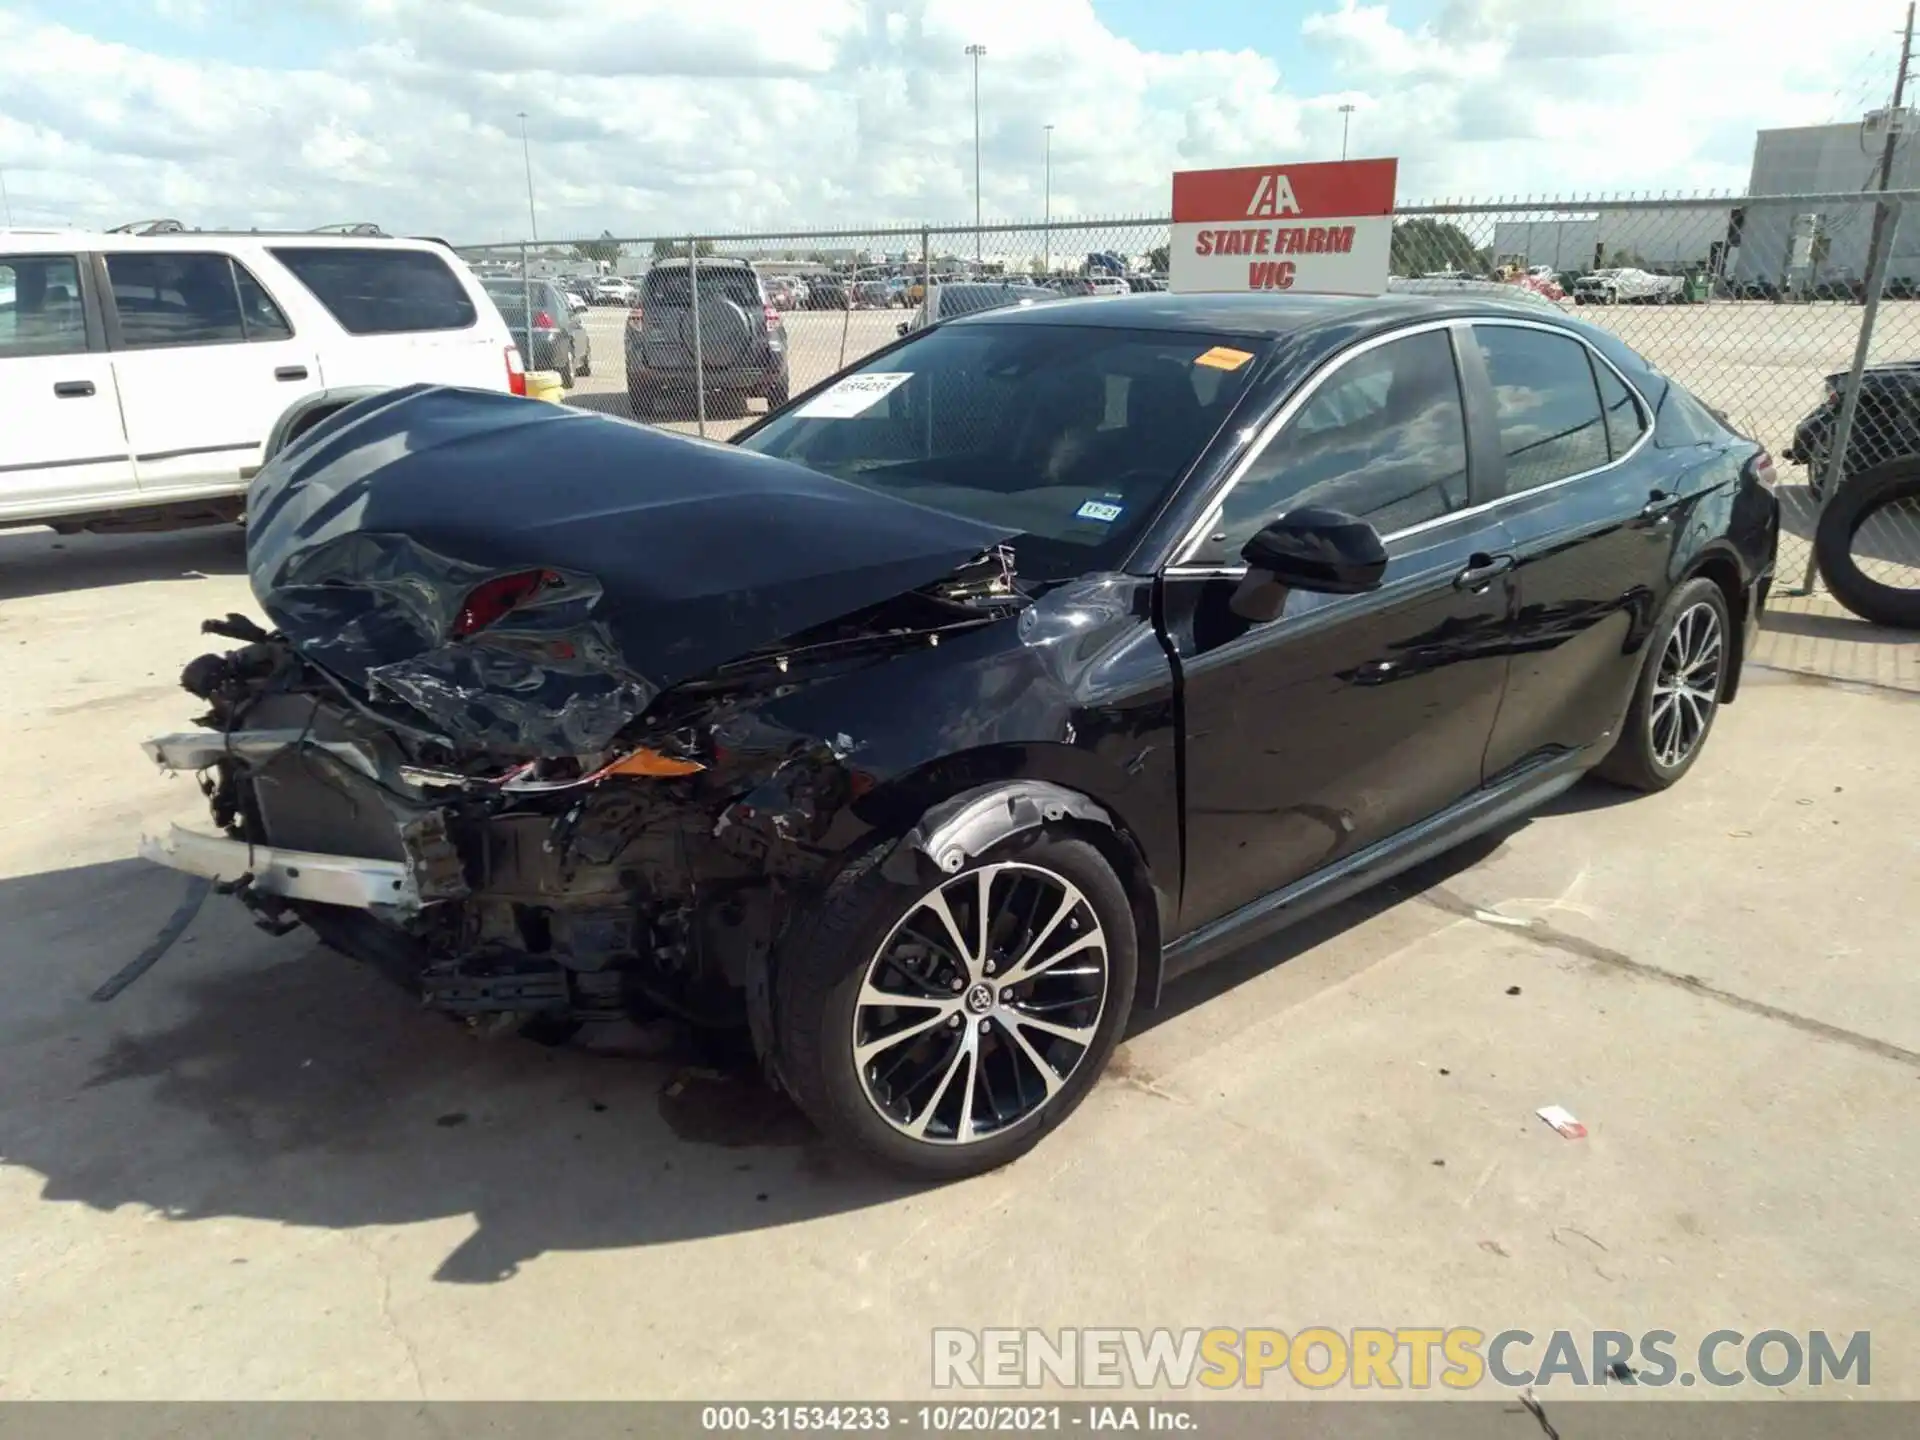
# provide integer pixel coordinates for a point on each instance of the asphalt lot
(260, 1173)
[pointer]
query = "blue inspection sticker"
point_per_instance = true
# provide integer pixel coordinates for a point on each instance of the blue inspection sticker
(1105, 511)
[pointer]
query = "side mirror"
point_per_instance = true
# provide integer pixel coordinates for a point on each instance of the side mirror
(1327, 552)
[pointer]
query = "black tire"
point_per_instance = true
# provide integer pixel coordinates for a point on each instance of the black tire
(823, 966)
(777, 394)
(586, 361)
(566, 368)
(1854, 502)
(1635, 760)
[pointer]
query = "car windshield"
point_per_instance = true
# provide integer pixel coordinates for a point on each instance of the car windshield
(1071, 436)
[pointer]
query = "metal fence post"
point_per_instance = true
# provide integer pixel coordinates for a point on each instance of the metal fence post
(1888, 221)
(526, 299)
(926, 269)
(699, 366)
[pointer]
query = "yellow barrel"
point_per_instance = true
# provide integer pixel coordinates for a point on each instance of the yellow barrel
(545, 385)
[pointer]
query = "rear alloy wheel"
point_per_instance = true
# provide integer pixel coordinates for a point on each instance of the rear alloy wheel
(955, 1026)
(1679, 691)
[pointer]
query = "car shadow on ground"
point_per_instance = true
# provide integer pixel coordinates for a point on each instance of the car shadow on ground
(40, 562)
(274, 1080)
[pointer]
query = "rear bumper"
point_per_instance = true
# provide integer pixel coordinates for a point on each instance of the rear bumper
(348, 880)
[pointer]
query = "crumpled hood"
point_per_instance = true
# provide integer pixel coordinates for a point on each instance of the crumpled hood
(668, 556)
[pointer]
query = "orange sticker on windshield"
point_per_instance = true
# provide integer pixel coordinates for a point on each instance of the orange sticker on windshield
(1223, 358)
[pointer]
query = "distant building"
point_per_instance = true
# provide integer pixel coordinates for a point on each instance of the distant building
(1793, 244)
(1652, 239)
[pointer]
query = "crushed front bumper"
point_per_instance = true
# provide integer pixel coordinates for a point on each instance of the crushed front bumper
(348, 880)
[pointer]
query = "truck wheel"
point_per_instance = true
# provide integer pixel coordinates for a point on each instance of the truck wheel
(942, 1029)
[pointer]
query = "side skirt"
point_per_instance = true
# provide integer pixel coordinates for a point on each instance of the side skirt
(1525, 787)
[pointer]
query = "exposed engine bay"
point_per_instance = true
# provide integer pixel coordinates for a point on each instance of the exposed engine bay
(645, 878)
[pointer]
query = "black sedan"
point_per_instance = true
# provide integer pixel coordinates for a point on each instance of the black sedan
(554, 332)
(927, 731)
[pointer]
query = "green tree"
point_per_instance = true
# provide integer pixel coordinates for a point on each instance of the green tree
(604, 251)
(1422, 245)
(677, 249)
(1159, 258)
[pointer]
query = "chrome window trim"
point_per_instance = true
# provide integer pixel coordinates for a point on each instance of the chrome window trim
(1197, 533)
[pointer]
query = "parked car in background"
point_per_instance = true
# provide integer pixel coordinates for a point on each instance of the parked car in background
(779, 290)
(1108, 285)
(742, 338)
(871, 295)
(612, 290)
(1886, 423)
(575, 289)
(971, 297)
(558, 332)
(144, 378)
(1627, 285)
(1042, 657)
(827, 292)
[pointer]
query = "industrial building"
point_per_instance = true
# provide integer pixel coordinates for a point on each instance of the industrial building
(1795, 246)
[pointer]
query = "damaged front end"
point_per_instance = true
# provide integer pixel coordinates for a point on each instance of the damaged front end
(522, 764)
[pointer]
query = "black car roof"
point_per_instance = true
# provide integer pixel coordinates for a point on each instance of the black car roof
(1264, 317)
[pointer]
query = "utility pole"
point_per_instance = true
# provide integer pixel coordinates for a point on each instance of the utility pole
(526, 154)
(9, 199)
(1048, 242)
(1893, 113)
(1346, 120)
(976, 51)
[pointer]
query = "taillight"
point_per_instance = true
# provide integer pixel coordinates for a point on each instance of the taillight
(636, 319)
(1762, 467)
(542, 320)
(499, 596)
(516, 372)
(772, 315)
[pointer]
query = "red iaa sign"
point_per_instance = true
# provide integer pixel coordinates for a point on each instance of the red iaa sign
(1311, 227)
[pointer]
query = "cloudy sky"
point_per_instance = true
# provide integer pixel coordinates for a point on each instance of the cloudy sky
(652, 116)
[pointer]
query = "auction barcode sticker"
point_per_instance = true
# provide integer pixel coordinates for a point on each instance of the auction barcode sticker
(853, 395)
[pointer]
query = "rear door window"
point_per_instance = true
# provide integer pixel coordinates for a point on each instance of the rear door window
(167, 299)
(40, 307)
(1625, 424)
(1548, 409)
(379, 291)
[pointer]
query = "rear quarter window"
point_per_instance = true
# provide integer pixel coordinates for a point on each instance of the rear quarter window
(378, 291)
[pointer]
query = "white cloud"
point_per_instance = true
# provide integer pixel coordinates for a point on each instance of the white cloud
(652, 116)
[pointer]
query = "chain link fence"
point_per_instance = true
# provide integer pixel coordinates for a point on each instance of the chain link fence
(1763, 308)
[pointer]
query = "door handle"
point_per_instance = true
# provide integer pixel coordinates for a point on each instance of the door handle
(68, 389)
(1482, 571)
(1660, 505)
(291, 372)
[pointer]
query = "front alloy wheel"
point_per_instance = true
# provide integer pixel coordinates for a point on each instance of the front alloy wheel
(943, 1028)
(981, 1003)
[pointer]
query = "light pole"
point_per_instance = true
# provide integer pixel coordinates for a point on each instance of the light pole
(976, 51)
(1346, 119)
(526, 154)
(4, 196)
(1048, 202)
